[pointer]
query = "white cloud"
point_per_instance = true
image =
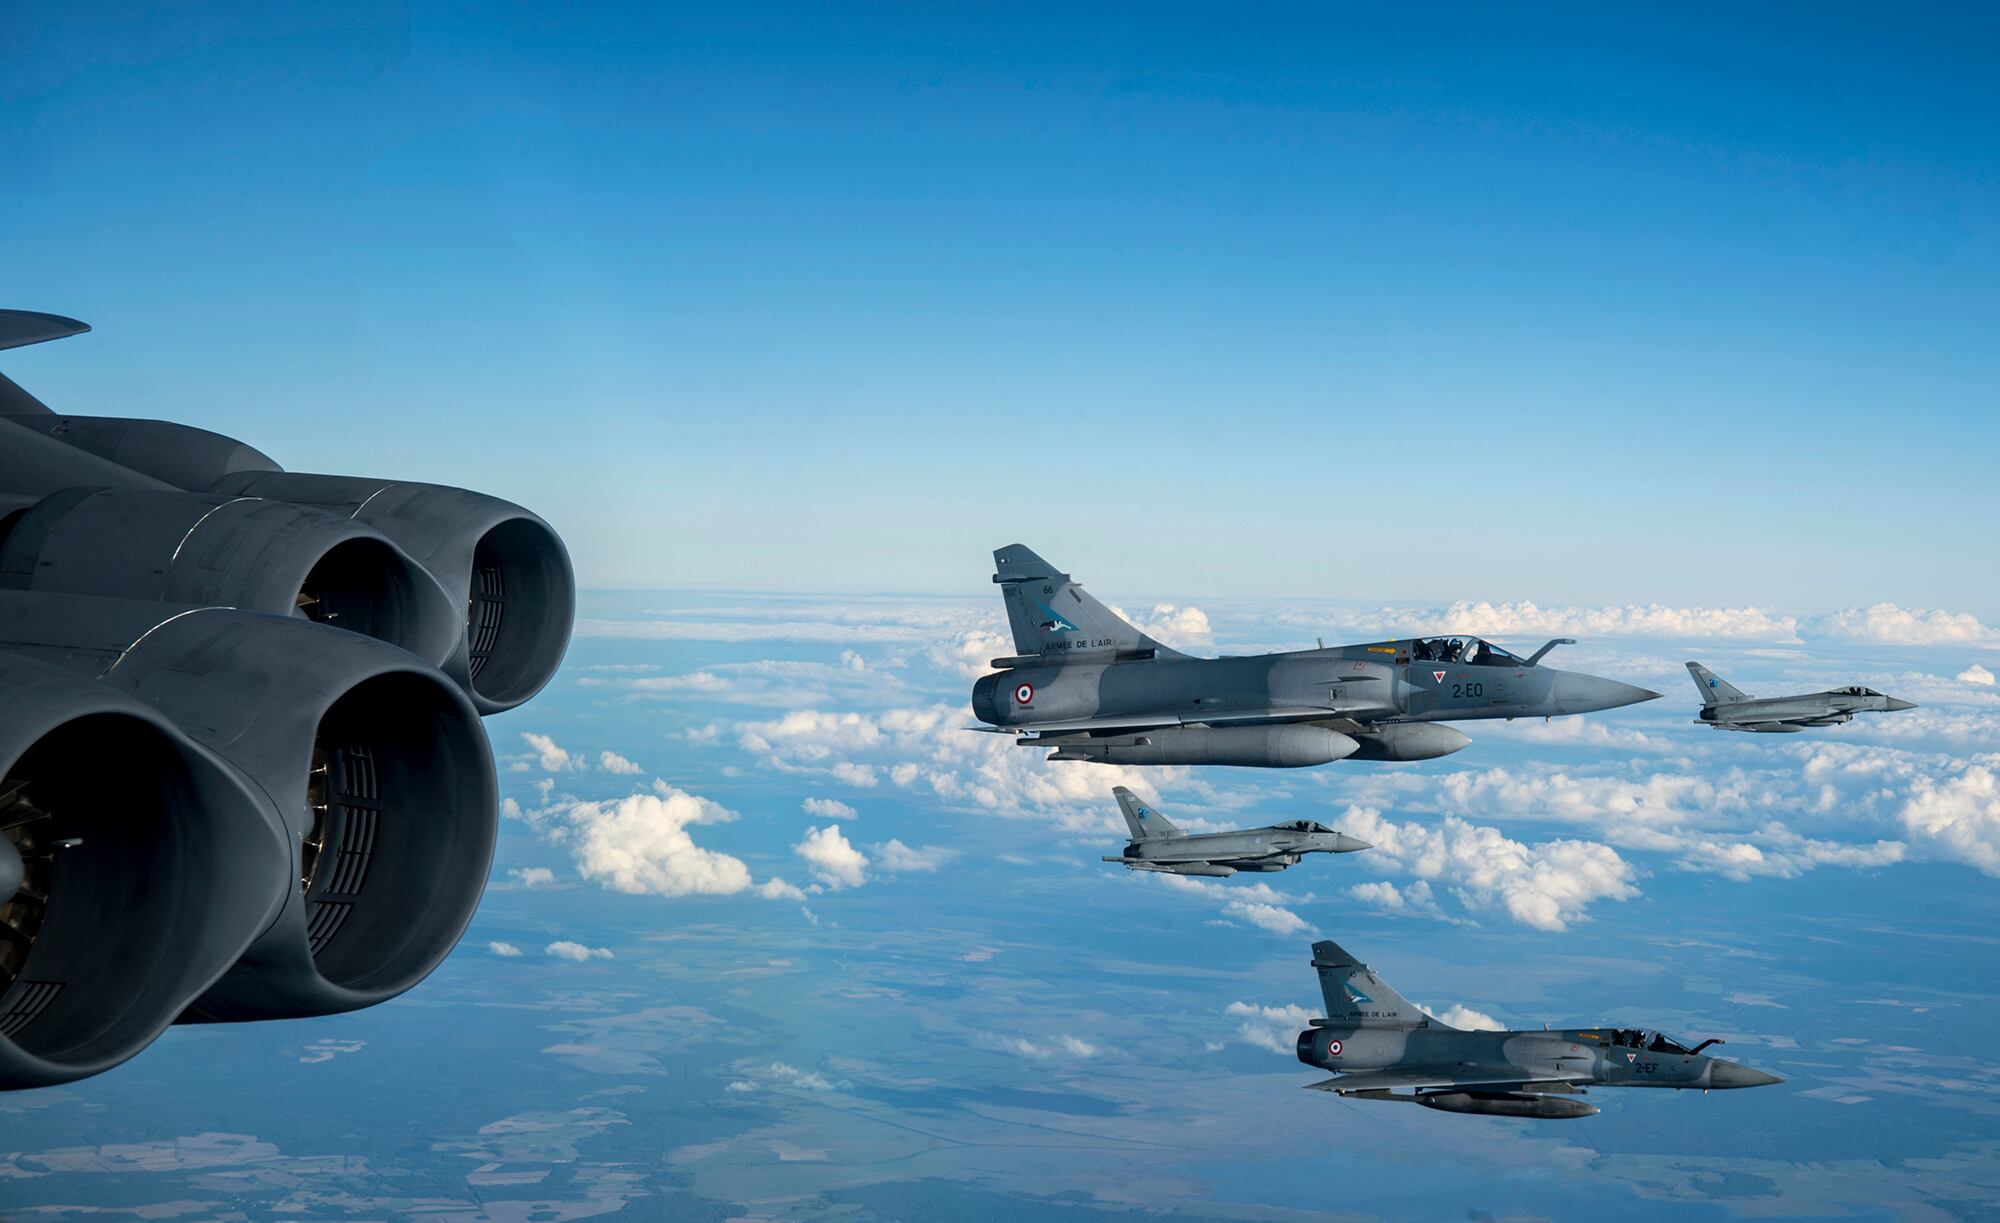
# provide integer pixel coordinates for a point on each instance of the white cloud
(775, 888)
(612, 762)
(968, 654)
(780, 1074)
(1469, 1020)
(832, 859)
(1266, 916)
(1888, 624)
(532, 876)
(850, 661)
(893, 855)
(1546, 886)
(507, 950)
(1412, 898)
(1976, 674)
(1631, 620)
(1958, 816)
(861, 775)
(640, 843)
(829, 809)
(563, 949)
(1061, 1046)
(1183, 628)
(1271, 1027)
(551, 758)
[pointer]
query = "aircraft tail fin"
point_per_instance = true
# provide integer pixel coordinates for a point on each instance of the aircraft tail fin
(1146, 823)
(1056, 621)
(1356, 997)
(1715, 690)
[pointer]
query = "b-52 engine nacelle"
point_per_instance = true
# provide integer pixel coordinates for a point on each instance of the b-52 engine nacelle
(242, 772)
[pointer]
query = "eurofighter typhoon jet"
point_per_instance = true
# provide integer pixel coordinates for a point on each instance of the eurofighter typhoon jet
(1093, 687)
(242, 771)
(1385, 1048)
(1159, 846)
(1726, 707)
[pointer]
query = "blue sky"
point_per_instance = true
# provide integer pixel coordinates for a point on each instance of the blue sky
(1568, 305)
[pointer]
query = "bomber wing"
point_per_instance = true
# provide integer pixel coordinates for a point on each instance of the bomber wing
(1435, 1076)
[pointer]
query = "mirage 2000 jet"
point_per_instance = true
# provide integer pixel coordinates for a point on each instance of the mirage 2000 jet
(1726, 707)
(1386, 1048)
(1093, 687)
(1157, 845)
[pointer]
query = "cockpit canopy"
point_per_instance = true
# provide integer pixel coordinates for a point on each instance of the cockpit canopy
(1304, 826)
(1857, 690)
(1463, 651)
(1651, 1042)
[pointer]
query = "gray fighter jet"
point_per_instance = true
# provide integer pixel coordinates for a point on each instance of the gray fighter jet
(1725, 707)
(1385, 1048)
(1159, 846)
(242, 771)
(1092, 686)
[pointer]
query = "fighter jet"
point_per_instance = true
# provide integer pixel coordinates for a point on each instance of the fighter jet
(1157, 845)
(1725, 707)
(242, 769)
(1385, 1048)
(1092, 686)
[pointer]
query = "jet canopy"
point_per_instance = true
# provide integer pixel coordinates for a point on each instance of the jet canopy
(1857, 690)
(1651, 1042)
(1304, 826)
(1464, 651)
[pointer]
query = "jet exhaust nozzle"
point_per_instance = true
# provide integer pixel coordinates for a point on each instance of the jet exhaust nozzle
(505, 568)
(135, 867)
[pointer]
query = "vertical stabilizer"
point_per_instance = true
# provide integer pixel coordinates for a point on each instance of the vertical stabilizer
(1715, 690)
(1057, 620)
(1356, 997)
(1146, 823)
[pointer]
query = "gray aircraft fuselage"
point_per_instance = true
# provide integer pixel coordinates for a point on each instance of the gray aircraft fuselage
(1089, 683)
(1790, 714)
(1726, 707)
(1383, 1047)
(1248, 849)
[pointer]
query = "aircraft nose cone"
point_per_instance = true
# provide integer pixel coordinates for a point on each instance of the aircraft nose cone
(1729, 1074)
(1892, 704)
(1344, 844)
(1576, 693)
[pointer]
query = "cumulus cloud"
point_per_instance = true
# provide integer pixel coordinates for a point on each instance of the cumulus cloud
(775, 888)
(1270, 1027)
(1976, 674)
(532, 876)
(829, 809)
(1958, 816)
(1265, 916)
(563, 949)
(1468, 1020)
(1183, 628)
(1888, 624)
(551, 758)
(1414, 899)
(506, 950)
(969, 654)
(612, 762)
(781, 1075)
(893, 855)
(640, 843)
(1546, 886)
(832, 858)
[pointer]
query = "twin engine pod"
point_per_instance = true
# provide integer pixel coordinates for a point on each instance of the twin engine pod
(222, 815)
(242, 770)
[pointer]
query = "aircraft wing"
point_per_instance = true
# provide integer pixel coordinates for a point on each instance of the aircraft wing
(1237, 717)
(1429, 1076)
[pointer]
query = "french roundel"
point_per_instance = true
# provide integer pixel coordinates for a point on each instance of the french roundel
(1333, 1048)
(1024, 694)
